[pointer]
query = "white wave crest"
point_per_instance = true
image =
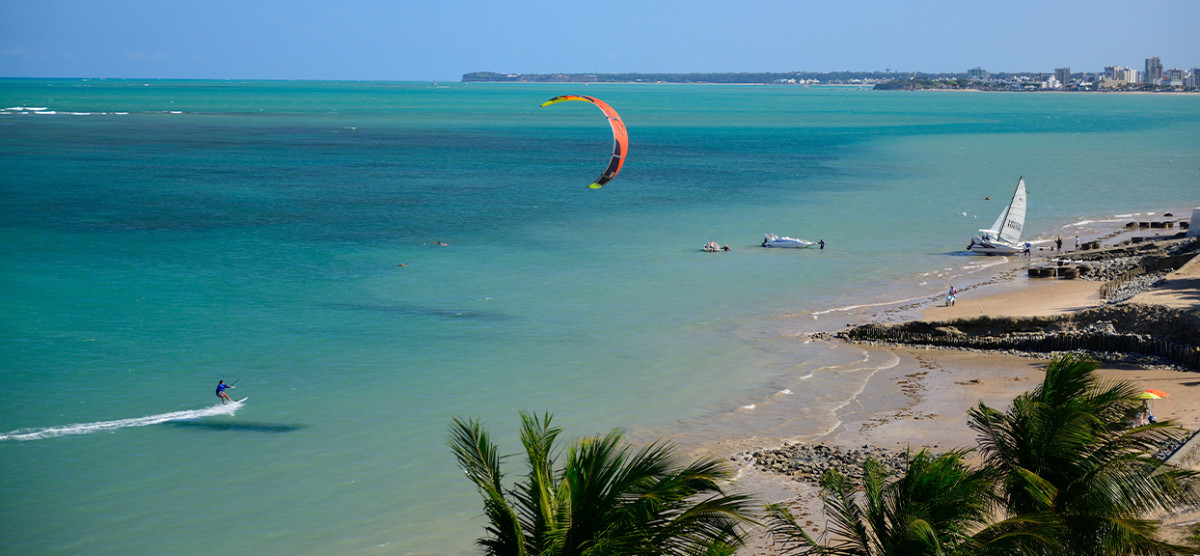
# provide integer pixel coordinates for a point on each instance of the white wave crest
(88, 428)
(866, 305)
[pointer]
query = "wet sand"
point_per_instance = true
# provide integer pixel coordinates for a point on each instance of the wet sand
(930, 390)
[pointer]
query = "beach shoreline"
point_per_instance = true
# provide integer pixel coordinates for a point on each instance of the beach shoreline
(921, 400)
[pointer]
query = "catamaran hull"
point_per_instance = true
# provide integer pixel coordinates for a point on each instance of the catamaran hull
(1005, 234)
(990, 248)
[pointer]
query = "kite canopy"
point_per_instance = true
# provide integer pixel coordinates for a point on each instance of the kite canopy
(620, 136)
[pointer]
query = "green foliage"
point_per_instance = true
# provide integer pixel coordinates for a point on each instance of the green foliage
(1194, 538)
(1062, 470)
(606, 499)
(1063, 463)
(1066, 449)
(939, 505)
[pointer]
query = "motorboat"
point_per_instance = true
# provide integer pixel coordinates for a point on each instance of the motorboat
(772, 240)
(712, 247)
(1004, 237)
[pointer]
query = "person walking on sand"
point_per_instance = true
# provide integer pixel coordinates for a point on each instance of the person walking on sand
(1076, 243)
(1058, 245)
(950, 296)
(221, 386)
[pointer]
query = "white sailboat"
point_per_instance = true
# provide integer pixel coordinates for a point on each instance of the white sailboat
(1004, 237)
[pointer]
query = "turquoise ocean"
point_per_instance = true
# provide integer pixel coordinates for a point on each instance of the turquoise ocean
(158, 236)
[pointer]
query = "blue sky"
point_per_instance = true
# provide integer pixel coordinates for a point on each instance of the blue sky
(441, 40)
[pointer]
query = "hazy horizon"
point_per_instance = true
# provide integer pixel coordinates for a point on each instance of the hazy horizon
(374, 40)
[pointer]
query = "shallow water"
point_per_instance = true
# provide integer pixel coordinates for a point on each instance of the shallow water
(159, 236)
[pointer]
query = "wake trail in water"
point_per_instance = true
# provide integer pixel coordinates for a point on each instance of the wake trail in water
(88, 428)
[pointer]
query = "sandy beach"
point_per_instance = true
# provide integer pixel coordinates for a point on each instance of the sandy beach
(936, 387)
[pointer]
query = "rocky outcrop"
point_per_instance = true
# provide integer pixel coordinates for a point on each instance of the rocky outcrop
(808, 462)
(1143, 334)
(1126, 269)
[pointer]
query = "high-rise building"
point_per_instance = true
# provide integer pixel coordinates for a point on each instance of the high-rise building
(1154, 70)
(977, 74)
(1063, 75)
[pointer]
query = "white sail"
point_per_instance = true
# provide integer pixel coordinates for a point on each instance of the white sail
(1004, 237)
(1013, 219)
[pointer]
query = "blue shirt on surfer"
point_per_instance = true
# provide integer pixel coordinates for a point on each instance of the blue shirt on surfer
(221, 386)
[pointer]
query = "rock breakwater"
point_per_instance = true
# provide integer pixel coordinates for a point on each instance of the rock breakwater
(1143, 334)
(808, 462)
(1138, 333)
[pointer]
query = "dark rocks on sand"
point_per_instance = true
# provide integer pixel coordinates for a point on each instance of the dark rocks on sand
(808, 462)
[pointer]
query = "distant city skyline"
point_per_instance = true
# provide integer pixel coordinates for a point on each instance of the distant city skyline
(383, 40)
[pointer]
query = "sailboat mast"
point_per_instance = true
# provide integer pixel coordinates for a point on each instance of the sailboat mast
(1007, 209)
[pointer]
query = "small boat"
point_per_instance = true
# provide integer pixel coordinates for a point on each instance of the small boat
(1004, 237)
(772, 240)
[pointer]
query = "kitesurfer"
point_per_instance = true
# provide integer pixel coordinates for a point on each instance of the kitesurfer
(221, 386)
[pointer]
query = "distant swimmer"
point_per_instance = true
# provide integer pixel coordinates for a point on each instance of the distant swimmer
(221, 386)
(988, 198)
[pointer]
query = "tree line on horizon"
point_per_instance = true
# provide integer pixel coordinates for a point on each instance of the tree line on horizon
(718, 77)
(879, 80)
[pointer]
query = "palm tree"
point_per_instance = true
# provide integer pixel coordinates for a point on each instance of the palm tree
(606, 499)
(1067, 449)
(938, 506)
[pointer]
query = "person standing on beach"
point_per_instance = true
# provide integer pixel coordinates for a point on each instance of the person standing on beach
(1058, 245)
(1076, 243)
(221, 386)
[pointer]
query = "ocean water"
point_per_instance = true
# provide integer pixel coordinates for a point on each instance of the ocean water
(156, 236)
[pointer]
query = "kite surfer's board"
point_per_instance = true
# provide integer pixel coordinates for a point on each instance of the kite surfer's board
(243, 399)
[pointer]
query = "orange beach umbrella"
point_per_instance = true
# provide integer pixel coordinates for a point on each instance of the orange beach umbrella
(1153, 394)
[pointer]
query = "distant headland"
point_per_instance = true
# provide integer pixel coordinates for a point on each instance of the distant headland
(878, 80)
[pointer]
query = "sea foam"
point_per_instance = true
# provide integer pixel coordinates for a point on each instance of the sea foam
(100, 426)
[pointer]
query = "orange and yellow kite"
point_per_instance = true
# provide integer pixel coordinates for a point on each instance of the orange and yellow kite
(620, 136)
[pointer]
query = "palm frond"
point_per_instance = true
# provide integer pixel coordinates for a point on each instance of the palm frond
(788, 535)
(480, 461)
(1066, 449)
